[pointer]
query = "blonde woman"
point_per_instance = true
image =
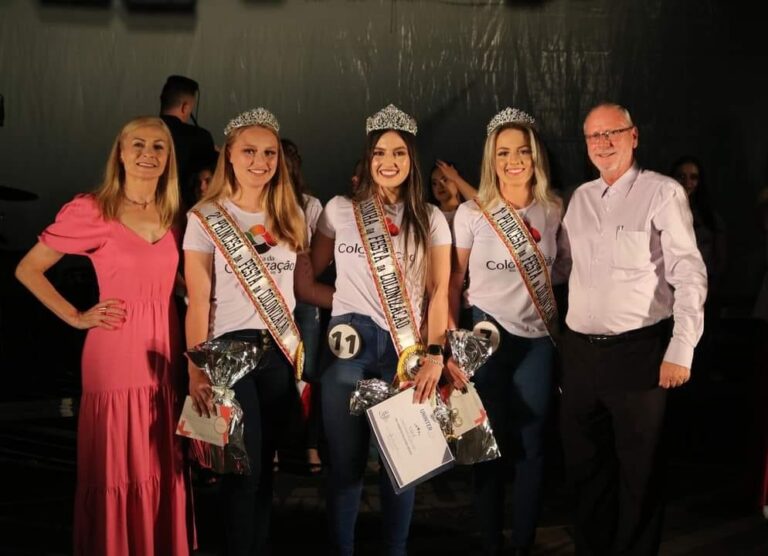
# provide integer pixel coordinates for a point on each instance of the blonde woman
(131, 494)
(248, 295)
(507, 240)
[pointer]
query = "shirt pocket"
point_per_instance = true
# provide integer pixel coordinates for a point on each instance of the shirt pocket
(632, 249)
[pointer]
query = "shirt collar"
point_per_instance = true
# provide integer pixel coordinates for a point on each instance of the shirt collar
(622, 185)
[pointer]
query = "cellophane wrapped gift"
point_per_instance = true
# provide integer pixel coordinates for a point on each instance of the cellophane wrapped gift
(478, 444)
(368, 393)
(225, 362)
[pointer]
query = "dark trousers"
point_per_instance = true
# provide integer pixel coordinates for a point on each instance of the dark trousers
(270, 402)
(515, 385)
(612, 415)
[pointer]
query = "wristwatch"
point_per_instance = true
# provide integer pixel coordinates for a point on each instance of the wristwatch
(434, 349)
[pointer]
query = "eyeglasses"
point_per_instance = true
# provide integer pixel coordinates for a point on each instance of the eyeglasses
(606, 135)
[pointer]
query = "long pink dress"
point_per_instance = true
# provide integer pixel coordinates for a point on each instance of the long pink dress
(131, 495)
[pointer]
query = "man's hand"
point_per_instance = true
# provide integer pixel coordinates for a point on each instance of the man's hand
(672, 376)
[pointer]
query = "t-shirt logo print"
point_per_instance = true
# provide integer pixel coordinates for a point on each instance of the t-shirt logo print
(261, 239)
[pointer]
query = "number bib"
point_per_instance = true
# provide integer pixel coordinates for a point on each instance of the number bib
(487, 329)
(344, 341)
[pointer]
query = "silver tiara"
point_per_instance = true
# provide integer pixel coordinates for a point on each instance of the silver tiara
(510, 116)
(391, 117)
(256, 116)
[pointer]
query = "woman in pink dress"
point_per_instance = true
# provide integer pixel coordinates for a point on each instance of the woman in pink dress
(131, 495)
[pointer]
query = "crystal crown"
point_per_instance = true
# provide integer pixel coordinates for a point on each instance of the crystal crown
(391, 117)
(256, 116)
(510, 116)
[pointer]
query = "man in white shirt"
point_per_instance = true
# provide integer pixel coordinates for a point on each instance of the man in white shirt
(636, 275)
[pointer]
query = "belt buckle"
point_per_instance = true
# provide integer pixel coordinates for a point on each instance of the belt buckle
(598, 338)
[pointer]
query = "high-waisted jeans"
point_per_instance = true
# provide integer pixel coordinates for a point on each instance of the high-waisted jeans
(349, 439)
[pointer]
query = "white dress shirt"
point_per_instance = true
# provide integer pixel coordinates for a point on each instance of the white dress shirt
(633, 260)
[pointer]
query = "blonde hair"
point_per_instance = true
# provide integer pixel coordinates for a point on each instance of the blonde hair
(285, 219)
(110, 194)
(489, 192)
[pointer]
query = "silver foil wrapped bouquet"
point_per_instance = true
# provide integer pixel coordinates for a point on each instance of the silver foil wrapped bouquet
(478, 443)
(368, 393)
(469, 350)
(225, 362)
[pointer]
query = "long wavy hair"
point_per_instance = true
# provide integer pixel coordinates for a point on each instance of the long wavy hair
(415, 224)
(110, 194)
(285, 220)
(489, 192)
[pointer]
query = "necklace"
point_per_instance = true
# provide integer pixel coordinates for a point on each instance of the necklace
(143, 205)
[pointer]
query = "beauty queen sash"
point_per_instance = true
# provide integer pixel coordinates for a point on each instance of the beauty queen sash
(528, 259)
(254, 277)
(390, 284)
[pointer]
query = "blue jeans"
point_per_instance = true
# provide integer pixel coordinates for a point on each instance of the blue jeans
(348, 439)
(515, 385)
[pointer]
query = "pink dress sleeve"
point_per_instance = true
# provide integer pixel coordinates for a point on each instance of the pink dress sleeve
(79, 228)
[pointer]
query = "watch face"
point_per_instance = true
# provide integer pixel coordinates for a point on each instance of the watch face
(434, 349)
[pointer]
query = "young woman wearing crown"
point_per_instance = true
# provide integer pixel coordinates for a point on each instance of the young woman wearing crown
(387, 220)
(507, 238)
(251, 200)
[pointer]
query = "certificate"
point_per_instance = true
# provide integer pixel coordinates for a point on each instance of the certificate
(410, 441)
(470, 412)
(213, 429)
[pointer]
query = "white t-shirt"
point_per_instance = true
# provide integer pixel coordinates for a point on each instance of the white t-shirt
(495, 285)
(231, 308)
(312, 210)
(449, 216)
(355, 288)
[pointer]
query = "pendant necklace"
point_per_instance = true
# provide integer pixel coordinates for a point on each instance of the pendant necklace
(143, 205)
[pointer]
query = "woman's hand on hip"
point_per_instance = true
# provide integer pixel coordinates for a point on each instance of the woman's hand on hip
(108, 314)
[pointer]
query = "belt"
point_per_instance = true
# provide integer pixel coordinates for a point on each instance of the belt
(260, 337)
(653, 330)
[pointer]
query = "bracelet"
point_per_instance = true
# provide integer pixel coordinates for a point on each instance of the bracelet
(434, 359)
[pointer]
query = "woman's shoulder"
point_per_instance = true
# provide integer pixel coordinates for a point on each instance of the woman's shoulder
(312, 201)
(83, 206)
(338, 203)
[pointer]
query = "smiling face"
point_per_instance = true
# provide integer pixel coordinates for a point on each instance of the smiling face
(390, 161)
(611, 140)
(514, 158)
(444, 189)
(254, 157)
(144, 152)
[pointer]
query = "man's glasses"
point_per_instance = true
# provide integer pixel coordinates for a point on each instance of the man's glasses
(606, 135)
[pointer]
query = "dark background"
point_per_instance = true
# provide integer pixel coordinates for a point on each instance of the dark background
(692, 73)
